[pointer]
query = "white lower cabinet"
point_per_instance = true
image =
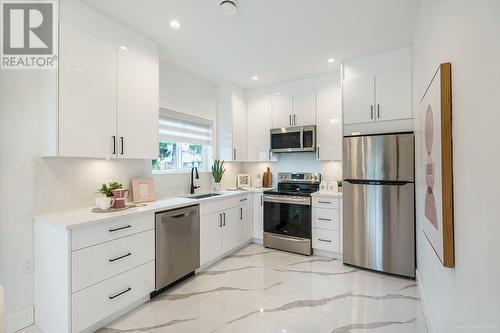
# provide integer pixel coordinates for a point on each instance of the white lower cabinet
(85, 275)
(327, 224)
(223, 227)
(258, 216)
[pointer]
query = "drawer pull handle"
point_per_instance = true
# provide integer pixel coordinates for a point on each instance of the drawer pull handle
(120, 293)
(324, 240)
(325, 202)
(245, 199)
(120, 228)
(120, 257)
(323, 219)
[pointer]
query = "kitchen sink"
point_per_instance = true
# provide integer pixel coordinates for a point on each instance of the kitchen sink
(203, 196)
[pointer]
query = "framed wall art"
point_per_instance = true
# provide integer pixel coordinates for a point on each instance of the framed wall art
(143, 190)
(243, 180)
(437, 165)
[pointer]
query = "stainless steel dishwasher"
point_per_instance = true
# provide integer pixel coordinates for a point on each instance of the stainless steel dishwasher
(177, 245)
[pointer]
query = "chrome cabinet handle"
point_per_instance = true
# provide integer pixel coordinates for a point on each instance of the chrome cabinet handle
(120, 257)
(290, 119)
(325, 202)
(371, 111)
(318, 151)
(220, 220)
(378, 111)
(234, 153)
(224, 219)
(244, 199)
(324, 240)
(323, 219)
(241, 213)
(295, 119)
(120, 293)
(261, 200)
(114, 145)
(270, 156)
(120, 228)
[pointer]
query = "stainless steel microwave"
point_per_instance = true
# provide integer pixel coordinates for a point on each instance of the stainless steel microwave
(293, 139)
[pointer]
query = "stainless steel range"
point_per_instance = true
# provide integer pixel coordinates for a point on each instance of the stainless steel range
(287, 212)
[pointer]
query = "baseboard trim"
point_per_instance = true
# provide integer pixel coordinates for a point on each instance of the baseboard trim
(18, 321)
(328, 254)
(427, 317)
(257, 241)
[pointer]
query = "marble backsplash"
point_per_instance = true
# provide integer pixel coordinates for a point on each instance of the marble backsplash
(70, 183)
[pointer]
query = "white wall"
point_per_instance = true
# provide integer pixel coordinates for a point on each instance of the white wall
(465, 33)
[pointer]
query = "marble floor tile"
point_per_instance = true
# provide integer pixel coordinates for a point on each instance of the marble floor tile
(263, 290)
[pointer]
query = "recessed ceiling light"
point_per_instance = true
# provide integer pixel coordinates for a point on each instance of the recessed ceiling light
(277, 93)
(175, 24)
(124, 48)
(331, 60)
(255, 78)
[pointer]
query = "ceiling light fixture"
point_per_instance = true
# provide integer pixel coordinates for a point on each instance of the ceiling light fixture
(331, 60)
(174, 24)
(229, 7)
(255, 78)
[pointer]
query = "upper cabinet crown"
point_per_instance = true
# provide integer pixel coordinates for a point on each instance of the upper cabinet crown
(108, 103)
(377, 93)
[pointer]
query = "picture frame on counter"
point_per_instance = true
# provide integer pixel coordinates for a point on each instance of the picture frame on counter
(243, 180)
(143, 189)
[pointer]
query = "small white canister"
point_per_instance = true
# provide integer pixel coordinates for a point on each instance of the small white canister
(323, 187)
(333, 187)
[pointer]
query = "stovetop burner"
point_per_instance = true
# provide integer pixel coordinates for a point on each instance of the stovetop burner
(296, 184)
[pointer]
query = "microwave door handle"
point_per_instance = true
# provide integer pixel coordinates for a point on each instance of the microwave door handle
(302, 138)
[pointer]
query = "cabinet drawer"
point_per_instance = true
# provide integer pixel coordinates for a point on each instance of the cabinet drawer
(100, 262)
(325, 218)
(326, 202)
(221, 204)
(101, 300)
(327, 240)
(101, 232)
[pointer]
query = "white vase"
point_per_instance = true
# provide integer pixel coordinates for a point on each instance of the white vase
(217, 187)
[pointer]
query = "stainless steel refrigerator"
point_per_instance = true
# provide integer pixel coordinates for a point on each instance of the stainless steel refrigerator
(379, 202)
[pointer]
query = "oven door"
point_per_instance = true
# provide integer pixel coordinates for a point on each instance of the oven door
(287, 215)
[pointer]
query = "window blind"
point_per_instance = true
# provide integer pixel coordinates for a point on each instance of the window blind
(182, 128)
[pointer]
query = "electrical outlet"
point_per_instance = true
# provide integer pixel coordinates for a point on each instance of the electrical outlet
(99, 182)
(28, 266)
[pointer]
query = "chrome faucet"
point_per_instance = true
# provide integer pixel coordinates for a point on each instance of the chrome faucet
(192, 180)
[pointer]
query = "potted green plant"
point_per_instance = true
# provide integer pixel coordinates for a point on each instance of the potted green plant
(339, 184)
(107, 189)
(217, 172)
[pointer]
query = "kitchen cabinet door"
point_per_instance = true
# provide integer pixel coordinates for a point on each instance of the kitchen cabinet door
(359, 100)
(87, 95)
(239, 111)
(244, 221)
(210, 237)
(304, 109)
(281, 110)
(393, 95)
(259, 125)
(329, 124)
(138, 101)
(232, 229)
(258, 216)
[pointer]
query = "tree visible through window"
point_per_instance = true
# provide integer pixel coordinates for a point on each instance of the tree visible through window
(176, 156)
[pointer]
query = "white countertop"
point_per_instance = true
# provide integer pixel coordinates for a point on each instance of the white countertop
(78, 217)
(327, 194)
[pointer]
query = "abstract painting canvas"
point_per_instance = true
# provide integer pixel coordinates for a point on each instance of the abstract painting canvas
(437, 164)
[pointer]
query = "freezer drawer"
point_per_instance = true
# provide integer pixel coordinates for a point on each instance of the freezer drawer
(379, 227)
(379, 157)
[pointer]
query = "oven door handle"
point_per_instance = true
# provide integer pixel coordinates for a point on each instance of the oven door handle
(288, 199)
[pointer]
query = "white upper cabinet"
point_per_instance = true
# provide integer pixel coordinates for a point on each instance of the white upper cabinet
(329, 124)
(281, 110)
(108, 90)
(304, 109)
(377, 93)
(359, 100)
(87, 95)
(232, 123)
(393, 95)
(138, 101)
(259, 125)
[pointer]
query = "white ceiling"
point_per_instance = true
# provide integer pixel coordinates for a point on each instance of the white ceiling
(278, 40)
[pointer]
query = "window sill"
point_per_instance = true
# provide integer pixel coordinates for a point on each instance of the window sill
(176, 172)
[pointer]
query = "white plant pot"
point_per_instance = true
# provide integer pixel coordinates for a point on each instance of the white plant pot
(217, 187)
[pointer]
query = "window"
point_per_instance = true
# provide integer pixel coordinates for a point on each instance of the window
(185, 142)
